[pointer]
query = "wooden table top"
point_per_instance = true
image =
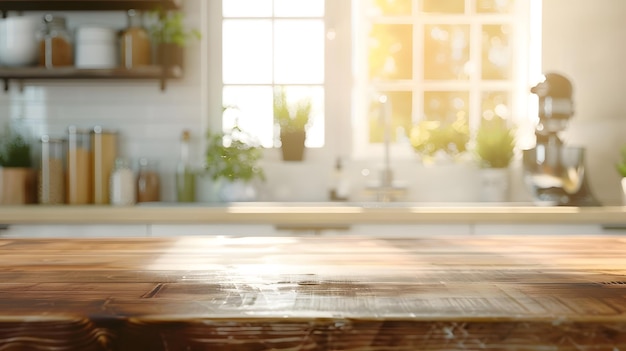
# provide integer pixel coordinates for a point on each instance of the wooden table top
(314, 293)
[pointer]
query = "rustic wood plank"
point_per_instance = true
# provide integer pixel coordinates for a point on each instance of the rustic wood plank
(314, 293)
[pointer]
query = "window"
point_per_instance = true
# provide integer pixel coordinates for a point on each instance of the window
(434, 59)
(269, 45)
(440, 60)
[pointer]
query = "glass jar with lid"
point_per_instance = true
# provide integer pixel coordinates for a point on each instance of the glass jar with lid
(148, 187)
(51, 180)
(122, 184)
(78, 172)
(135, 48)
(55, 43)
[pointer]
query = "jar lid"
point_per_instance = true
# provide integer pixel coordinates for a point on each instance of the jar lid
(47, 139)
(76, 130)
(100, 130)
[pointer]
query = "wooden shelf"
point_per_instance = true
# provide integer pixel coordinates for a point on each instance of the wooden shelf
(85, 5)
(67, 73)
(148, 72)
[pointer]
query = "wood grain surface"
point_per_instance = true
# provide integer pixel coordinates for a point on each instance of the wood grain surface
(314, 293)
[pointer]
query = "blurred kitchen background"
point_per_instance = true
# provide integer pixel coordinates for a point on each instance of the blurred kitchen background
(584, 40)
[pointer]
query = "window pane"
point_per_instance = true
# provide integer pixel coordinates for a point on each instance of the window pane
(299, 51)
(496, 52)
(247, 51)
(446, 52)
(390, 7)
(252, 110)
(444, 6)
(401, 116)
(315, 132)
(246, 8)
(446, 106)
(391, 51)
(495, 103)
(299, 8)
(494, 6)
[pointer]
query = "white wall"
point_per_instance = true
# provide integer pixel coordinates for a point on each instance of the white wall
(586, 41)
(582, 39)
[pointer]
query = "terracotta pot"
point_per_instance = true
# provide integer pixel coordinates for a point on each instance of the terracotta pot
(292, 145)
(17, 186)
(170, 55)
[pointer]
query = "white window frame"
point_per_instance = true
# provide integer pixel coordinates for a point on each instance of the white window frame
(343, 87)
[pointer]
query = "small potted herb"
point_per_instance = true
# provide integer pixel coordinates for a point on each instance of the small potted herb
(232, 163)
(171, 36)
(293, 121)
(17, 178)
(495, 147)
(433, 140)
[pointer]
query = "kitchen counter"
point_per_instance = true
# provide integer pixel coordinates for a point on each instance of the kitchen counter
(314, 293)
(299, 213)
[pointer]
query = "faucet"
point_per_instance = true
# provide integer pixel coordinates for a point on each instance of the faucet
(386, 190)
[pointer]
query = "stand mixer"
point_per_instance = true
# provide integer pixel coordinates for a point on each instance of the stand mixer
(555, 172)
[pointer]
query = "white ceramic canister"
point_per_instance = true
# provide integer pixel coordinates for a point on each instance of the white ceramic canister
(96, 47)
(18, 41)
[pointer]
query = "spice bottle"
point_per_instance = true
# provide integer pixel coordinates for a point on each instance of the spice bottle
(51, 180)
(148, 184)
(185, 178)
(122, 184)
(103, 155)
(55, 44)
(135, 46)
(78, 170)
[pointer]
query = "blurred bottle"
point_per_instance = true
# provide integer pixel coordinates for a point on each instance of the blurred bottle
(148, 184)
(185, 178)
(135, 46)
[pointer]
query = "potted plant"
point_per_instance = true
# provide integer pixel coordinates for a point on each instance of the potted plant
(621, 170)
(17, 176)
(232, 164)
(495, 148)
(293, 122)
(170, 36)
(435, 140)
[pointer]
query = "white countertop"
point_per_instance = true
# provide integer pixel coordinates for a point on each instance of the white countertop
(302, 213)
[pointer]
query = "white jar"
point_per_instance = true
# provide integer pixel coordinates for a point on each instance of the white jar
(96, 47)
(122, 184)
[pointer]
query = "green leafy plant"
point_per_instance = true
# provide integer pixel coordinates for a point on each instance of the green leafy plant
(621, 164)
(15, 151)
(290, 118)
(169, 28)
(495, 143)
(230, 156)
(431, 137)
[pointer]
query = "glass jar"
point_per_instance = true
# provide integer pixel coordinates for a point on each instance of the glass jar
(103, 155)
(51, 181)
(122, 184)
(55, 44)
(79, 186)
(148, 183)
(135, 48)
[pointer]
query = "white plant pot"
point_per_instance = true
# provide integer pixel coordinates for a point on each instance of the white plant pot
(237, 191)
(494, 184)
